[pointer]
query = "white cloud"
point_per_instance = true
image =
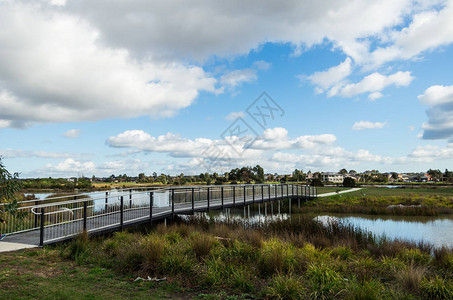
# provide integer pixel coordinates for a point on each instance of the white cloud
(262, 65)
(332, 76)
(15, 153)
(72, 133)
(440, 113)
(177, 146)
(373, 83)
(375, 95)
(55, 68)
(237, 77)
(429, 29)
(361, 125)
(234, 115)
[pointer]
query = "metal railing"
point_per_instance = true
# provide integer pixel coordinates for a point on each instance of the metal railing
(58, 218)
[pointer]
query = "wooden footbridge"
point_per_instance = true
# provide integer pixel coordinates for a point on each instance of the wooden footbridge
(47, 221)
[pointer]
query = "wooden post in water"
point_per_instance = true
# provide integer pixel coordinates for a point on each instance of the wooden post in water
(193, 200)
(208, 195)
(234, 196)
(151, 203)
(221, 192)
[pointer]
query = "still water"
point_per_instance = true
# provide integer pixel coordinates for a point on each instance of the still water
(437, 231)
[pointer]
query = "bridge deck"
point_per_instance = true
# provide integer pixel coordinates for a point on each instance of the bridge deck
(64, 229)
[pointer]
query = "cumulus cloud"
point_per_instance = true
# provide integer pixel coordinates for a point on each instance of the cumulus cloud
(16, 153)
(55, 68)
(440, 113)
(373, 83)
(234, 115)
(237, 77)
(177, 146)
(71, 60)
(72, 133)
(429, 28)
(332, 76)
(361, 125)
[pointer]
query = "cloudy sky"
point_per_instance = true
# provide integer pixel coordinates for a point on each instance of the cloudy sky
(112, 87)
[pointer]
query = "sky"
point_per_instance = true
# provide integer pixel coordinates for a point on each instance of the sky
(126, 87)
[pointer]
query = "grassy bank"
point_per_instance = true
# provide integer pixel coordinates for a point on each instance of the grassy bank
(286, 260)
(375, 201)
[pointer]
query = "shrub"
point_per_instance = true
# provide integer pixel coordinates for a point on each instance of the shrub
(325, 282)
(276, 257)
(349, 182)
(364, 290)
(202, 244)
(410, 277)
(285, 287)
(437, 288)
(153, 249)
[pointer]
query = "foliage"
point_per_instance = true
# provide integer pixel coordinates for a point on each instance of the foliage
(9, 184)
(349, 182)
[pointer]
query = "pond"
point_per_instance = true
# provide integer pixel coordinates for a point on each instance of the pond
(437, 231)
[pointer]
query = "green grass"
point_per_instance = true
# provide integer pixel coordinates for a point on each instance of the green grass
(427, 201)
(44, 274)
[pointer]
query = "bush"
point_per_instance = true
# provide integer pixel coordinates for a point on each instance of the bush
(202, 244)
(285, 287)
(349, 182)
(437, 288)
(316, 182)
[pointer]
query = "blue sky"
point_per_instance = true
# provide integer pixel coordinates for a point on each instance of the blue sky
(113, 87)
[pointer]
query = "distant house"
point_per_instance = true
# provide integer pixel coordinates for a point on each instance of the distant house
(332, 177)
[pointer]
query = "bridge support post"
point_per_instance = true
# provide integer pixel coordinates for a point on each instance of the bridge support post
(121, 212)
(151, 203)
(192, 198)
(85, 213)
(269, 190)
(106, 201)
(208, 197)
(172, 203)
(262, 193)
(221, 192)
(234, 196)
(41, 230)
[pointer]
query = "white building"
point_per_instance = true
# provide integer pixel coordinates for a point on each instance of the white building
(332, 177)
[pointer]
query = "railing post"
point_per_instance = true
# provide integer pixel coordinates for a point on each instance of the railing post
(253, 194)
(282, 191)
(121, 212)
(234, 196)
(262, 193)
(269, 188)
(106, 201)
(193, 200)
(85, 208)
(208, 196)
(245, 193)
(221, 192)
(41, 231)
(276, 192)
(287, 190)
(151, 203)
(130, 199)
(172, 202)
(36, 216)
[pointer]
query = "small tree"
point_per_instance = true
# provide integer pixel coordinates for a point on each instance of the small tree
(349, 182)
(9, 186)
(316, 182)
